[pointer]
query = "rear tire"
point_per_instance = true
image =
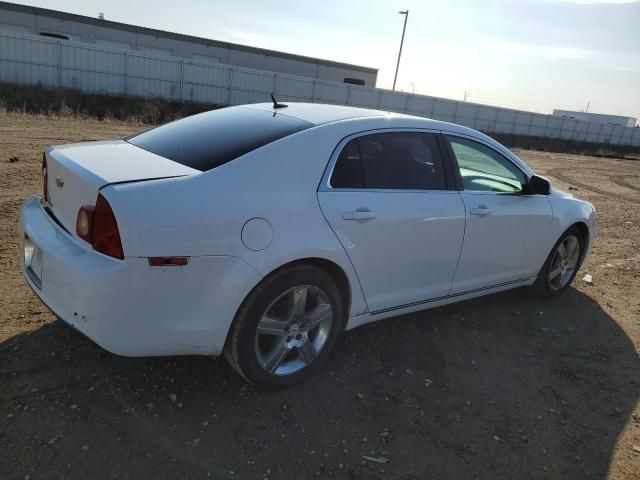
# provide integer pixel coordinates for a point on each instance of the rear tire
(561, 265)
(287, 327)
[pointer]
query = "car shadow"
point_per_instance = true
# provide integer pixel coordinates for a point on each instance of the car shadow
(505, 386)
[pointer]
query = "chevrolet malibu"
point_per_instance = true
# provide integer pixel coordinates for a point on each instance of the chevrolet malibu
(264, 231)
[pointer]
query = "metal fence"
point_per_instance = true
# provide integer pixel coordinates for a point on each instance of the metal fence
(34, 60)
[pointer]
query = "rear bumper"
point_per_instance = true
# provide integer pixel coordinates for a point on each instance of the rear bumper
(126, 306)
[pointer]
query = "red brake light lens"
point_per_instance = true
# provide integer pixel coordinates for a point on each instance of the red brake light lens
(105, 236)
(97, 225)
(45, 178)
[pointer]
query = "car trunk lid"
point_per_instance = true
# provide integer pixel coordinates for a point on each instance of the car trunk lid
(77, 172)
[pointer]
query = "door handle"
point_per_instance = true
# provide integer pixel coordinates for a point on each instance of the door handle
(480, 211)
(359, 214)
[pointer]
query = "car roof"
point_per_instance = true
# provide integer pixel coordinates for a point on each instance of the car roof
(321, 113)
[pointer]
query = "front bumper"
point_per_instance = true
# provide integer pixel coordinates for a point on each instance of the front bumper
(126, 306)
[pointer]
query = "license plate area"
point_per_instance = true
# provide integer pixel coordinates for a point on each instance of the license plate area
(33, 261)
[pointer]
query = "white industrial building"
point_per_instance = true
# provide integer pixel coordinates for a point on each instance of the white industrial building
(597, 118)
(123, 37)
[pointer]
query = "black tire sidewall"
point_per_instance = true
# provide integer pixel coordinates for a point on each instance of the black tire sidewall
(543, 283)
(257, 303)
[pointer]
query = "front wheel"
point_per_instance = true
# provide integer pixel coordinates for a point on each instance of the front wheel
(562, 265)
(287, 327)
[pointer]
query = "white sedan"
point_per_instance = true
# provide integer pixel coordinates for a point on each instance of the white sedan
(263, 231)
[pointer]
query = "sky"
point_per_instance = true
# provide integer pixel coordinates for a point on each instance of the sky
(533, 55)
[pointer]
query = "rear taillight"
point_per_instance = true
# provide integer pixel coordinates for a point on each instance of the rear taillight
(105, 236)
(45, 178)
(97, 225)
(84, 222)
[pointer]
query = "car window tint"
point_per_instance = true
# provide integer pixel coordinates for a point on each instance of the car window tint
(402, 160)
(210, 139)
(348, 172)
(483, 169)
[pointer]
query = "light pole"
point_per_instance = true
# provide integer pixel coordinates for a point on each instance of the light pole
(406, 16)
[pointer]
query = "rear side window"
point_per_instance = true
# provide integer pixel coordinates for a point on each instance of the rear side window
(349, 170)
(394, 161)
(210, 139)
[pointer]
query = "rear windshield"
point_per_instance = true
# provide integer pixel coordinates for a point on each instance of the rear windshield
(210, 139)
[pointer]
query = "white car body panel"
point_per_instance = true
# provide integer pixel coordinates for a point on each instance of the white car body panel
(205, 214)
(114, 161)
(128, 307)
(240, 221)
(409, 251)
(508, 244)
(568, 210)
(85, 167)
(355, 322)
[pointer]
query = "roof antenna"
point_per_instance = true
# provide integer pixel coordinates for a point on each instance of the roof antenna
(276, 104)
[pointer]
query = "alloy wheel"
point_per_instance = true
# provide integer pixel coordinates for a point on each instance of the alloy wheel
(564, 262)
(293, 330)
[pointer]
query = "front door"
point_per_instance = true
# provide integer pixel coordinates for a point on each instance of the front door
(388, 203)
(506, 236)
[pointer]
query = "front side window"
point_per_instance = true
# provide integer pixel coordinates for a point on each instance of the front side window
(483, 169)
(393, 160)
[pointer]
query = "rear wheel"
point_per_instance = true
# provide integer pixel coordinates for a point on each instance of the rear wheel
(286, 327)
(562, 264)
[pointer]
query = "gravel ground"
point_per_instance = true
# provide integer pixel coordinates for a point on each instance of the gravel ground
(506, 386)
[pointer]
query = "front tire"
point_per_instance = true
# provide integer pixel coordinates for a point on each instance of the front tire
(286, 328)
(561, 265)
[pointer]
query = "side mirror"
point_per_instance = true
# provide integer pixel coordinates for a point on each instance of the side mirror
(537, 186)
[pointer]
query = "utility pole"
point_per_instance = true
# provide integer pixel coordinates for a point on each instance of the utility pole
(466, 95)
(404, 28)
(413, 87)
(588, 103)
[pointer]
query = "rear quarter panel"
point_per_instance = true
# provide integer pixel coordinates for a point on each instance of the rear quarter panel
(204, 215)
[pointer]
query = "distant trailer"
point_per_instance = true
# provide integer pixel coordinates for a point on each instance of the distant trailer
(597, 118)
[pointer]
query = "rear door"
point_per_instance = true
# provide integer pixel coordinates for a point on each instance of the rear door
(506, 235)
(387, 198)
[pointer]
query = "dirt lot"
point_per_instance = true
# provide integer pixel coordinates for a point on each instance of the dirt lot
(507, 386)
